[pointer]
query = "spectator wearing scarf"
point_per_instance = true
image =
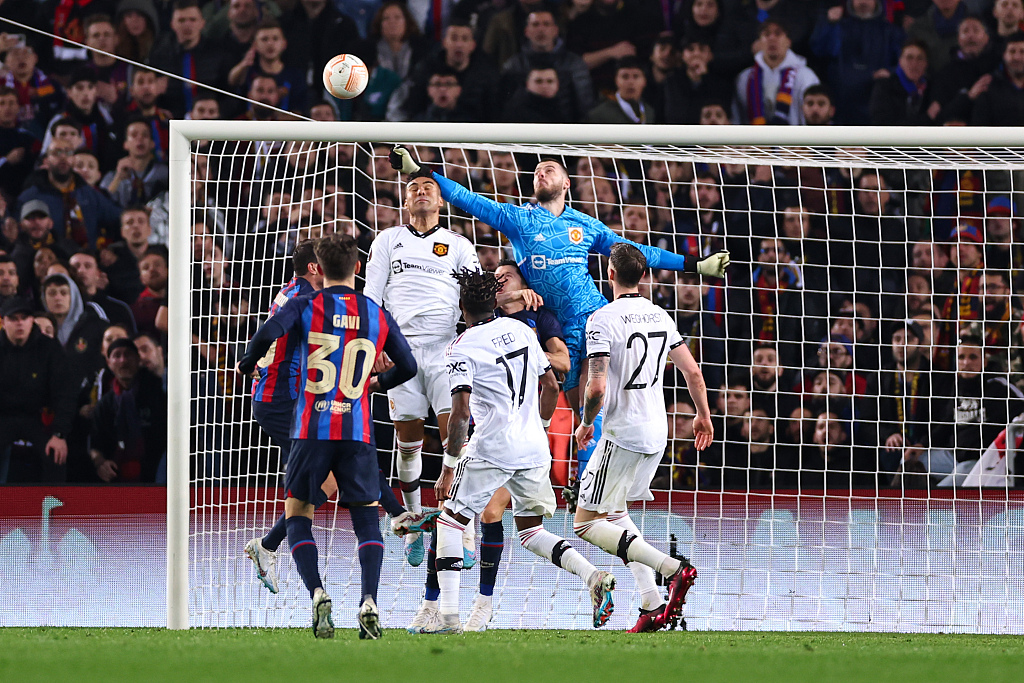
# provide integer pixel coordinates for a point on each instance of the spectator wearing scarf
(902, 99)
(770, 92)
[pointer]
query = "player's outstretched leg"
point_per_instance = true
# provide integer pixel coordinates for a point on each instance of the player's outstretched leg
(449, 563)
(542, 542)
(410, 467)
(370, 549)
(304, 553)
(492, 543)
(428, 616)
(631, 547)
(388, 501)
(652, 604)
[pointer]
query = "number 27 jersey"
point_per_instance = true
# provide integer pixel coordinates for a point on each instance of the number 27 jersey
(636, 336)
(341, 333)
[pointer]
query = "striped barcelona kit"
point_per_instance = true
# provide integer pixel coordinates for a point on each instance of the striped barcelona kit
(341, 333)
(279, 370)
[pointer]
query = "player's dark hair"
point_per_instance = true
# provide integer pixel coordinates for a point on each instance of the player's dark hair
(629, 264)
(302, 256)
(477, 290)
(554, 160)
(338, 255)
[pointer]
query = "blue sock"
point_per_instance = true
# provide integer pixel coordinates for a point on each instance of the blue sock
(272, 541)
(433, 588)
(583, 456)
(366, 524)
(387, 498)
(300, 539)
(492, 542)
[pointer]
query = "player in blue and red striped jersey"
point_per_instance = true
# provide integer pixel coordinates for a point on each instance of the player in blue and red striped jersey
(341, 333)
(273, 405)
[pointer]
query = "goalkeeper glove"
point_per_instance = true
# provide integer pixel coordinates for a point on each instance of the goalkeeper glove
(402, 161)
(714, 265)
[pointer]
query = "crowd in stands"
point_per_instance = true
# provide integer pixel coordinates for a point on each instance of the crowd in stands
(867, 335)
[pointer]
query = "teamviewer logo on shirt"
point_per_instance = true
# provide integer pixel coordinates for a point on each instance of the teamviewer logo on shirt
(539, 262)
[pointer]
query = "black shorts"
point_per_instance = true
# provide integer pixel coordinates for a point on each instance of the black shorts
(354, 464)
(276, 420)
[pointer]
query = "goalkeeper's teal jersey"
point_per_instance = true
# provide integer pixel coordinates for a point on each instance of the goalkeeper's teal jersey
(552, 251)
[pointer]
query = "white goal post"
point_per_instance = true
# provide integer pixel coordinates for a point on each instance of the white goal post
(993, 548)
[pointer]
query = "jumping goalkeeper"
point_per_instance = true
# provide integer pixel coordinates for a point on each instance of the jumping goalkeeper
(551, 243)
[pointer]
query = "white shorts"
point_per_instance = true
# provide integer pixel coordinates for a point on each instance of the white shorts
(476, 481)
(413, 400)
(615, 476)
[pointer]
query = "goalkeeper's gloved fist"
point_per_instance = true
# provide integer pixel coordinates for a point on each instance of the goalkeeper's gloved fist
(402, 161)
(714, 265)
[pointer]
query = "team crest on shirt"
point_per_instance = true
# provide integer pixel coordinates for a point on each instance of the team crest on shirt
(575, 234)
(81, 345)
(440, 249)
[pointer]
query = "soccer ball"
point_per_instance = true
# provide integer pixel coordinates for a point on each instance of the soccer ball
(345, 76)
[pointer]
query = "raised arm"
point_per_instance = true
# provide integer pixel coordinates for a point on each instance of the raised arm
(714, 265)
(702, 427)
(494, 214)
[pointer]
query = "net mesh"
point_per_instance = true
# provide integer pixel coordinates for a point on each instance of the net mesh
(822, 505)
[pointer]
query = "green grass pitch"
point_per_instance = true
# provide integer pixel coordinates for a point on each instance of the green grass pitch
(294, 656)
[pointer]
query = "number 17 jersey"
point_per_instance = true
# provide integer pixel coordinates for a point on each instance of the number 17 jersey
(341, 333)
(636, 336)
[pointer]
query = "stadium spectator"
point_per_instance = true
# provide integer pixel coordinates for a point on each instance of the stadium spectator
(110, 72)
(129, 434)
(475, 71)
(678, 470)
(768, 378)
(742, 27)
(153, 276)
(662, 62)
(503, 34)
(38, 415)
(919, 293)
(80, 327)
(818, 107)
(906, 390)
(903, 98)
(981, 406)
(36, 233)
(81, 214)
(714, 114)
(702, 334)
(968, 74)
(94, 118)
(537, 101)
(575, 90)
(137, 29)
(771, 91)
(139, 176)
(1002, 103)
(445, 101)
(1009, 19)
(829, 462)
(186, 52)
(46, 323)
(395, 41)
(857, 42)
(151, 354)
(265, 57)
(699, 21)
(965, 303)
(1003, 248)
(690, 87)
(10, 283)
(18, 147)
(627, 105)
(611, 30)
(92, 280)
(39, 98)
(1001, 316)
(234, 25)
(141, 104)
(265, 100)
(316, 30)
(937, 31)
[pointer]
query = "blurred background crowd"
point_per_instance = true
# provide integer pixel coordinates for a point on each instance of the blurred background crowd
(868, 334)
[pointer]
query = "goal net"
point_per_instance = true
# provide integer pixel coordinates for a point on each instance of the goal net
(862, 358)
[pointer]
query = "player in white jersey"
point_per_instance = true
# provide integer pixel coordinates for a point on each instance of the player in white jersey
(627, 343)
(494, 369)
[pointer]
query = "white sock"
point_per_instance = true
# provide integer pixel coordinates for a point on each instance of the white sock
(606, 535)
(650, 596)
(469, 536)
(542, 542)
(449, 547)
(410, 466)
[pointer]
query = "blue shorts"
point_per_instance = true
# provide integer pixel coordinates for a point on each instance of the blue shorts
(354, 464)
(575, 332)
(276, 420)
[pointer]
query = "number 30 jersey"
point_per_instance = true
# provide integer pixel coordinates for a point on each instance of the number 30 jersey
(636, 336)
(500, 362)
(341, 333)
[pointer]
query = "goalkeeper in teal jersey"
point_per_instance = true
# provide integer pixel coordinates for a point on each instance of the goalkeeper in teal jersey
(551, 243)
